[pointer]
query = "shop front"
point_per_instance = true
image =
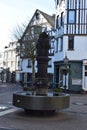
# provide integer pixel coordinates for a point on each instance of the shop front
(84, 83)
(71, 76)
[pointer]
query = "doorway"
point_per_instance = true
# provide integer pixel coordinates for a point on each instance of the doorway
(85, 78)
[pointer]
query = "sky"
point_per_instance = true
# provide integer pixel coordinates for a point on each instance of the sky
(16, 12)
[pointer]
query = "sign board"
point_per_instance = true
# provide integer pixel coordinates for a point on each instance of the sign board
(76, 82)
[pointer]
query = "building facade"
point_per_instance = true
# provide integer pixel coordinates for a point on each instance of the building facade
(39, 23)
(1, 65)
(71, 41)
(9, 63)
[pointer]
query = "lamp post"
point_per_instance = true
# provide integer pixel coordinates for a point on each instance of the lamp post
(65, 72)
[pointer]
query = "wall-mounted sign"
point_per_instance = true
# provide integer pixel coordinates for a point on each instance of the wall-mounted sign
(76, 82)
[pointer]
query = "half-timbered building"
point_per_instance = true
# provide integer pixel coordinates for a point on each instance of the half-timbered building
(71, 42)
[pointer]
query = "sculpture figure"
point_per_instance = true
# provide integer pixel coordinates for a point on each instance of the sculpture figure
(43, 45)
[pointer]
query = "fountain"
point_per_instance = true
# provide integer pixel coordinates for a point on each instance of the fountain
(41, 99)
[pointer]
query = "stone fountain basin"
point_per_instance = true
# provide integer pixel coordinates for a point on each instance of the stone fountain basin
(30, 101)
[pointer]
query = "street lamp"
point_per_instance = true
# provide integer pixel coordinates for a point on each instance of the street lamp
(65, 71)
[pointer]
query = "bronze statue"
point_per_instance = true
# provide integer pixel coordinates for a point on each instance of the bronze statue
(43, 45)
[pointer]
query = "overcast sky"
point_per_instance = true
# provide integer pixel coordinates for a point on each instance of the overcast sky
(13, 12)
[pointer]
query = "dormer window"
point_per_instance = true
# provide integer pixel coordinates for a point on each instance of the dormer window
(37, 15)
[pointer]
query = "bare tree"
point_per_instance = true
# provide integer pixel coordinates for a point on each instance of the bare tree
(18, 31)
(30, 53)
(28, 42)
(28, 47)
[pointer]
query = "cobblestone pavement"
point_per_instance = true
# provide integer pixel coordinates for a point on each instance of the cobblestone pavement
(9, 87)
(6, 92)
(73, 118)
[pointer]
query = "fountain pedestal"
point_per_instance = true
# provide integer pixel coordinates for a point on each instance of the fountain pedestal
(42, 80)
(31, 101)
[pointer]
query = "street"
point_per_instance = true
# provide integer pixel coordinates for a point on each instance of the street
(73, 118)
(6, 92)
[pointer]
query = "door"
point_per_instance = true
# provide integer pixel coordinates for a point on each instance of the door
(57, 77)
(85, 78)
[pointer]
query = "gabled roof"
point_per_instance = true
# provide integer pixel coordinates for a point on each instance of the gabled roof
(49, 18)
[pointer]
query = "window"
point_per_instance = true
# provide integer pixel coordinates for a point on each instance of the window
(71, 43)
(67, 4)
(57, 22)
(85, 70)
(32, 30)
(62, 18)
(57, 2)
(29, 64)
(19, 63)
(37, 15)
(85, 67)
(56, 48)
(71, 16)
(61, 44)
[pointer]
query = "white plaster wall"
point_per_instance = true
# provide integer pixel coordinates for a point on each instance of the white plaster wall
(59, 56)
(25, 69)
(80, 49)
(79, 52)
(24, 66)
